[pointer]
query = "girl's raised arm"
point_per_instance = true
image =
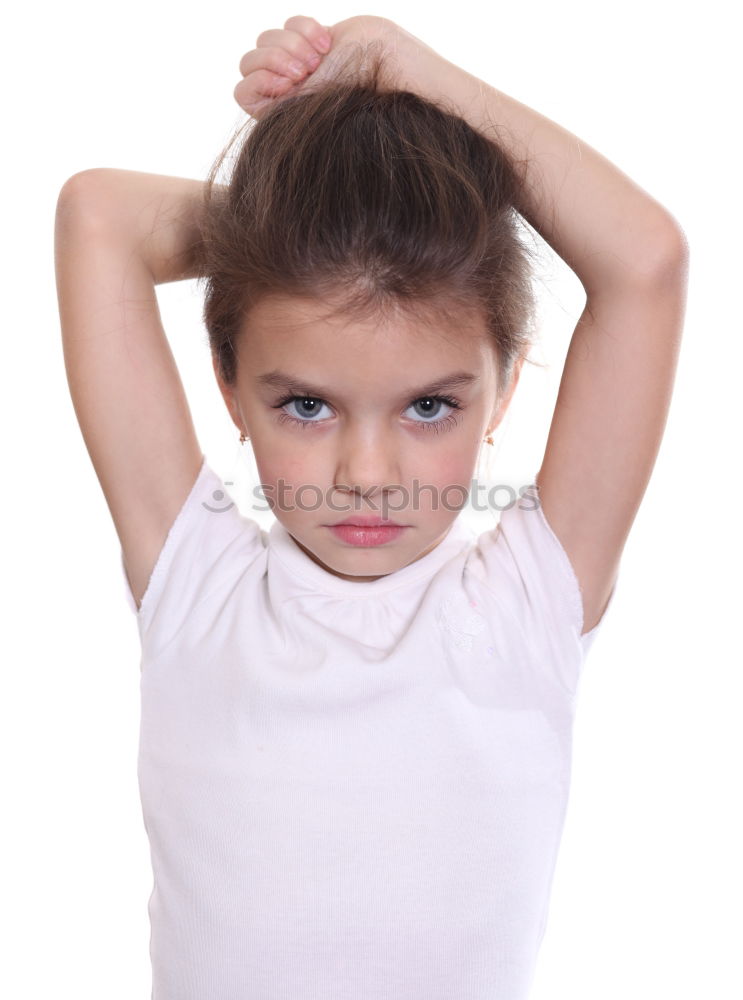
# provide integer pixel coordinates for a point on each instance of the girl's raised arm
(118, 233)
(632, 259)
(627, 249)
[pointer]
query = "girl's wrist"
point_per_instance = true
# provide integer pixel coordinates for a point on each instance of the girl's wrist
(419, 68)
(415, 65)
(604, 226)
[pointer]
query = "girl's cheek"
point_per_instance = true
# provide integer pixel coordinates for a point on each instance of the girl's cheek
(453, 468)
(289, 472)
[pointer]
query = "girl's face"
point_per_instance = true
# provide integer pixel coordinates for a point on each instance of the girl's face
(371, 419)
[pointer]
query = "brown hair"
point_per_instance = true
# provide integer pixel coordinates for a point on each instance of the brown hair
(372, 198)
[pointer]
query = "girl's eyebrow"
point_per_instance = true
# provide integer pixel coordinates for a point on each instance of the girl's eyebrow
(281, 380)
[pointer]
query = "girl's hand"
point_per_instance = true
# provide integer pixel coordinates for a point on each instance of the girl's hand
(285, 59)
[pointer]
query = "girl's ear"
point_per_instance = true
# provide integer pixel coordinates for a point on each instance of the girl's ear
(229, 398)
(502, 403)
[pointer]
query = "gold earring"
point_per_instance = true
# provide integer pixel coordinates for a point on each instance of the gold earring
(489, 439)
(244, 437)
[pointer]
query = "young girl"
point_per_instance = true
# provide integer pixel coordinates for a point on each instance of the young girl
(356, 726)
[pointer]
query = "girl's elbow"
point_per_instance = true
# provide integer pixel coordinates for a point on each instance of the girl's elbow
(670, 254)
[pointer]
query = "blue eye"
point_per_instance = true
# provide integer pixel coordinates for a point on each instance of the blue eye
(435, 409)
(308, 406)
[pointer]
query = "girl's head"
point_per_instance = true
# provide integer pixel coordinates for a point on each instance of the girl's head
(369, 306)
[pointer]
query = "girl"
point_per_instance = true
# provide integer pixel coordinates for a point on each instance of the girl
(356, 727)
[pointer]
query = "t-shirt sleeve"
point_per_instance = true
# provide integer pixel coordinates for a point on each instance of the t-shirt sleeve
(528, 571)
(208, 546)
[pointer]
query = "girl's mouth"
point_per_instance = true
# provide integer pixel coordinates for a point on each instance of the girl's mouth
(356, 534)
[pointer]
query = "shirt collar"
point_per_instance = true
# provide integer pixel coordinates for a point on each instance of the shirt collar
(305, 571)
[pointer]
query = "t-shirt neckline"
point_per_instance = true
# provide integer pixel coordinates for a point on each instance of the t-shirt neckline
(288, 552)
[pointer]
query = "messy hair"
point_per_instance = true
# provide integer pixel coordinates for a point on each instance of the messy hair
(368, 199)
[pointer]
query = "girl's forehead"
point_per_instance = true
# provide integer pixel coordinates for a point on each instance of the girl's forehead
(344, 362)
(279, 326)
(303, 347)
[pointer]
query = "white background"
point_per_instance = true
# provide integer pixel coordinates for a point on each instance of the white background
(646, 897)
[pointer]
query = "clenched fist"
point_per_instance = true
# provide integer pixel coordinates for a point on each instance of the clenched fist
(288, 60)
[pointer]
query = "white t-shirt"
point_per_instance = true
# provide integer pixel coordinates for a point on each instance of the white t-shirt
(354, 791)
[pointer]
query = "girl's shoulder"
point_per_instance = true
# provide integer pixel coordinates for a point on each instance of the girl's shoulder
(209, 541)
(522, 563)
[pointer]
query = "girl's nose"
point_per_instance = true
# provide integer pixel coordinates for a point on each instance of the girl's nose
(367, 463)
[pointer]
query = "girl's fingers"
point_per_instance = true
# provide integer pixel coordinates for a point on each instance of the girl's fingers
(260, 89)
(318, 36)
(293, 41)
(277, 60)
(295, 45)
(282, 57)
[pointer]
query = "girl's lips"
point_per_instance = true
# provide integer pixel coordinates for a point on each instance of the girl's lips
(354, 534)
(369, 521)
